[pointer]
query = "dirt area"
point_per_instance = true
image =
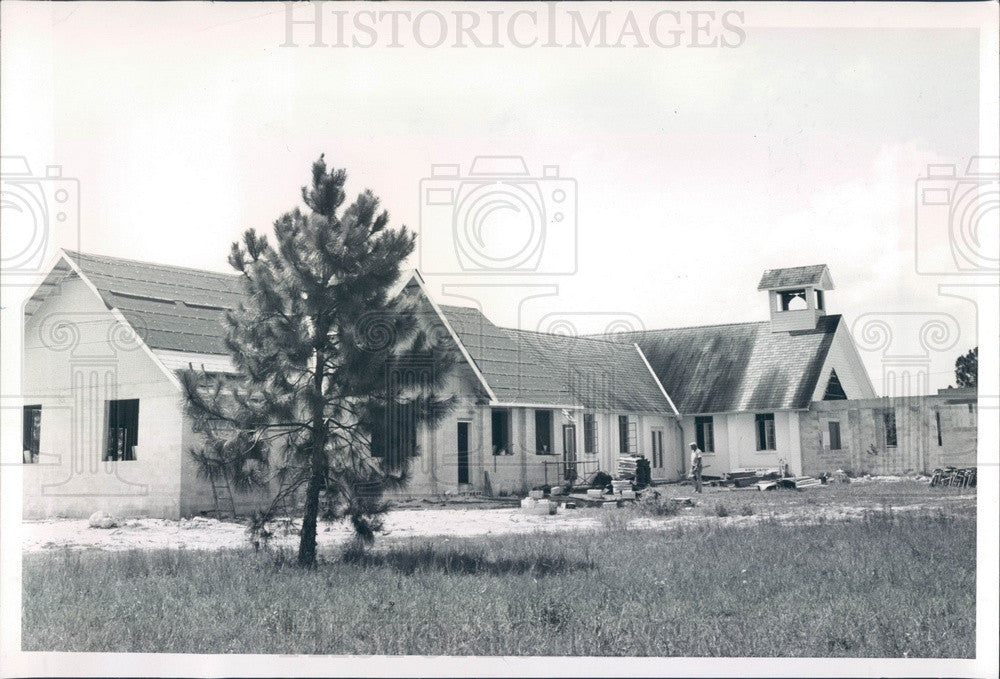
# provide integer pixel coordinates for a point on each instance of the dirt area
(426, 519)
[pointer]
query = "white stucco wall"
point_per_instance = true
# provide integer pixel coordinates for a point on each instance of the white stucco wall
(736, 443)
(435, 471)
(77, 356)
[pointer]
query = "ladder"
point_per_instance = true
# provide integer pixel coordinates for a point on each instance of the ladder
(222, 491)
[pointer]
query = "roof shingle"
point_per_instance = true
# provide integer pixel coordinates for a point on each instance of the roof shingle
(738, 367)
(526, 367)
(171, 307)
(706, 369)
(792, 276)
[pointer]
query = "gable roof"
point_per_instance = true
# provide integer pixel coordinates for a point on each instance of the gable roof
(525, 367)
(170, 307)
(741, 366)
(705, 369)
(182, 309)
(816, 275)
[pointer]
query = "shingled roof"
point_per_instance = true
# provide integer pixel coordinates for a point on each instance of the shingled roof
(795, 276)
(171, 307)
(181, 309)
(539, 368)
(741, 366)
(707, 369)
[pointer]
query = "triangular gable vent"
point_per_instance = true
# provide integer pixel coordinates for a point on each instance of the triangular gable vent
(834, 390)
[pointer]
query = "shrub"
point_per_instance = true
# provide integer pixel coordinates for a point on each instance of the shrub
(721, 509)
(746, 510)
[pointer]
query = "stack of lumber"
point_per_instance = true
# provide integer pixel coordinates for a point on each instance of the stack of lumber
(627, 466)
(620, 485)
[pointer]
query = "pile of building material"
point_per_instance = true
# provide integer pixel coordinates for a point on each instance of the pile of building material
(739, 479)
(635, 468)
(538, 507)
(789, 482)
(627, 465)
(958, 477)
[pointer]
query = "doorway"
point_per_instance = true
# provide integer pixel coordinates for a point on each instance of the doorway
(463, 452)
(569, 452)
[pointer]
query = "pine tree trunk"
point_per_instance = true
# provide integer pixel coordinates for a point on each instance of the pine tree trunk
(307, 537)
(317, 478)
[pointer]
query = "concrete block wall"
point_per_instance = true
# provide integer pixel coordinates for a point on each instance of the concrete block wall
(77, 356)
(864, 449)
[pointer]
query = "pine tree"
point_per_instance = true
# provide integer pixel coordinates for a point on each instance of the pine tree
(967, 368)
(335, 372)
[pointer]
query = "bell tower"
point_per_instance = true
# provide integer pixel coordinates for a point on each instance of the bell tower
(796, 296)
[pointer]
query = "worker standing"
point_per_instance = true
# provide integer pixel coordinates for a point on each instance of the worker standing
(696, 466)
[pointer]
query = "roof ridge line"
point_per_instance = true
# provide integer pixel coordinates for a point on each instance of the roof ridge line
(207, 272)
(691, 327)
(590, 338)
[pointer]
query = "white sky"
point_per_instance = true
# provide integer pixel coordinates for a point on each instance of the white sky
(696, 169)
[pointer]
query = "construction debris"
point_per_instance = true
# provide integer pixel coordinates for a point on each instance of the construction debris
(957, 477)
(101, 519)
(532, 505)
(789, 482)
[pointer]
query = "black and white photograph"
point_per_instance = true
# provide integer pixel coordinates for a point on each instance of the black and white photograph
(499, 339)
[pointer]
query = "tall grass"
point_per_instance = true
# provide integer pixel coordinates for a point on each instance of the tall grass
(884, 586)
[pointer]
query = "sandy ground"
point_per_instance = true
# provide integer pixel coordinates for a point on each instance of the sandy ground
(204, 533)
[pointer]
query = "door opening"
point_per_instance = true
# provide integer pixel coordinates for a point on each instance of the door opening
(569, 452)
(463, 452)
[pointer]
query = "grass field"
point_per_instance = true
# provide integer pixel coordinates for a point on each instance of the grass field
(887, 584)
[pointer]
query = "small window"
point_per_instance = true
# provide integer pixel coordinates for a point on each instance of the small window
(500, 423)
(589, 433)
(765, 432)
(704, 428)
(123, 430)
(31, 433)
(937, 421)
(889, 422)
(623, 446)
(543, 432)
(834, 428)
